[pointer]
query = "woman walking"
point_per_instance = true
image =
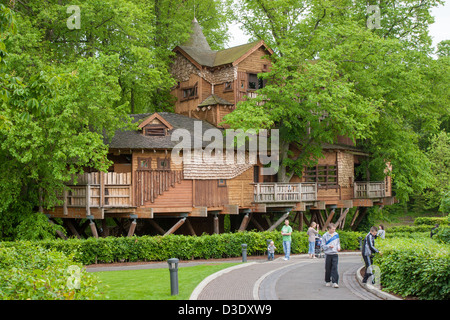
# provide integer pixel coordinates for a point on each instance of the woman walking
(312, 238)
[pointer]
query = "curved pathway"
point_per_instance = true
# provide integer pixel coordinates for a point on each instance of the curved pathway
(300, 278)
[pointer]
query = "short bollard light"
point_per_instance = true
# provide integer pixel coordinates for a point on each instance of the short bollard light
(173, 268)
(244, 252)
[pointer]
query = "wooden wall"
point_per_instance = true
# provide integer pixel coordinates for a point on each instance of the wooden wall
(240, 189)
(208, 193)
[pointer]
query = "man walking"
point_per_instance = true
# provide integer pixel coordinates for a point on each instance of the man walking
(286, 232)
(367, 251)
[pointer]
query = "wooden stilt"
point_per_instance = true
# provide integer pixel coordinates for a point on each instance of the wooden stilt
(341, 221)
(354, 217)
(58, 232)
(71, 227)
(132, 228)
(216, 223)
(279, 221)
(362, 214)
(189, 226)
(300, 221)
(256, 223)
(156, 226)
(244, 223)
(175, 226)
(93, 228)
(329, 219)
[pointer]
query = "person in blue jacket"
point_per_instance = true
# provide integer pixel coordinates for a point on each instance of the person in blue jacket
(368, 250)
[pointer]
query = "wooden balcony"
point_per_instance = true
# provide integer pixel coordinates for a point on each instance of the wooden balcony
(369, 190)
(100, 190)
(285, 192)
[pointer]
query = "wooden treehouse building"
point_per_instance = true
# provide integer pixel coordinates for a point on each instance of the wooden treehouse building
(147, 191)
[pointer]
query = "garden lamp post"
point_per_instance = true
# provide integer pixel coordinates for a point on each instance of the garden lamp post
(173, 268)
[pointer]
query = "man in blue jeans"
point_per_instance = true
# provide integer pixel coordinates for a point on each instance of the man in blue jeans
(286, 232)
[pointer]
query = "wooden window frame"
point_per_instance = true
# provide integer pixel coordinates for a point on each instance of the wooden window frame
(155, 130)
(221, 182)
(228, 86)
(158, 164)
(192, 92)
(149, 162)
(328, 172)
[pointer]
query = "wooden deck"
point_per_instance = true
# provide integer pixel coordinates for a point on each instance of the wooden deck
(98, 190)
(285, 192)
(369, 190)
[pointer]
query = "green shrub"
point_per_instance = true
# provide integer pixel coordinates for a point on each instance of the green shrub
(159, 248)
(28, 271)
(431, 221)
(443, 235)
(418, 267)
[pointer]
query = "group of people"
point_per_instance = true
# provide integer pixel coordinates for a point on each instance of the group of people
(330, 245)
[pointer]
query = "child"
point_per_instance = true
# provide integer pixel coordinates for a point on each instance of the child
(312, 239)
(331, 245)
(367, 250)
(381, 233)
(270, 251)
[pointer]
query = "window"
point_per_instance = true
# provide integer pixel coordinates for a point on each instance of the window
(154, 130)
(254, 83)
(163, 164)
(221, 183)
(324, 175)
(228, 86)
(190, 92)
(144, 163)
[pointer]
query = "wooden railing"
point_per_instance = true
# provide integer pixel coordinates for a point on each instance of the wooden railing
(98, 189)
(284, 192)
(369, 190)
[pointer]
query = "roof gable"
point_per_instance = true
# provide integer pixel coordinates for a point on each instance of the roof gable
(154, 117)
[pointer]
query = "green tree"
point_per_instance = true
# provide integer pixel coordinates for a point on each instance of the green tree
(332, 75)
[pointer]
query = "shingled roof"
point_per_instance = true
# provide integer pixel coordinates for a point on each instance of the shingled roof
(136, 140)
(198, 49)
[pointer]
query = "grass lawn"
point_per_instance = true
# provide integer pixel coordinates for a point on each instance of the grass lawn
(154, 284)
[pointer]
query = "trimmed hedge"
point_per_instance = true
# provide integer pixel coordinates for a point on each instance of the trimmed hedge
(28, 271)
(159, 248)
(416, 267)
(431, 221)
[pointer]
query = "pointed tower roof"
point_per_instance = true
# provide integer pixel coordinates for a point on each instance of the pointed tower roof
(198, 47)
(198, 51)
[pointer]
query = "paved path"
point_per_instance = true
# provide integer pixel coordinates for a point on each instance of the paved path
(299, 278)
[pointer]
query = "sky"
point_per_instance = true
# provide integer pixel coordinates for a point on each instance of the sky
(439, 30)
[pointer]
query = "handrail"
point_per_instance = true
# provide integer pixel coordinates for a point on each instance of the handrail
(267, 192)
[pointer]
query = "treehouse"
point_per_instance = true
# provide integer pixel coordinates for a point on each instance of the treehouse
(151, 182)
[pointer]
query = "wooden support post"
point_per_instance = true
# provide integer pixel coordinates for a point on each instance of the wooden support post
(156, 226)
(189, 226)
(308, 223)
(300, 221)
(58, 232)
(279, 221)
(341, 221)
(244, 223)
(328, 219)
(175, 226)
(354, 217)
(216, 223)
(72, 228)
(132, 228)
(93, 228)
(362, 214)
(257, 224)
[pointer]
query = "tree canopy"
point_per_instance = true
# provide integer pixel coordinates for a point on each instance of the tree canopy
(333, 75)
